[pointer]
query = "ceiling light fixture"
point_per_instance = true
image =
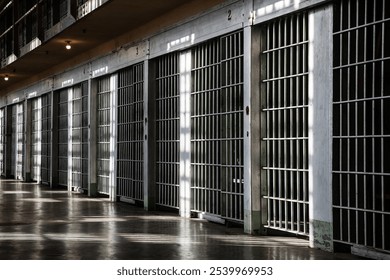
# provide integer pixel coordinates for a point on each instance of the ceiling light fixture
(68, 46)
(6, 78)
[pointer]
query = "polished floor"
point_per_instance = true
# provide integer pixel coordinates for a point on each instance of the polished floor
(40, 223)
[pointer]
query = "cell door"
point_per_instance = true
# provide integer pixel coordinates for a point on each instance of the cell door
(168, 130)
(36, 138)
(63, 141)
(104, 122)
(2, 142)
(217, 128)
(80, 137)
(130, 132)
(285, 113)
(19, 141)
(46, 138)
(361, 128)
(13, 140)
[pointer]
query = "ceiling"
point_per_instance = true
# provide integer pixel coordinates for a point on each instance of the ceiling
(114, 18)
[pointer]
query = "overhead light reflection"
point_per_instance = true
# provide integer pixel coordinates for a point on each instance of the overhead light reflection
(68, 45)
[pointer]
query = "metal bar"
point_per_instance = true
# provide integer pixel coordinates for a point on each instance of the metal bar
(382, 126)
(367, 167)
(130, 132)
(287, 123)
(361, 63)
(168, 141)
(2, 141)
(103, 139)
(286, 47)
(362, 26)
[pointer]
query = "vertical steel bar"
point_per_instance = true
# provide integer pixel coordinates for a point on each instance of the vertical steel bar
(298, 120)
(349, 125)
(285, 124)
(374, 165)
(365, 129)
(382, 125)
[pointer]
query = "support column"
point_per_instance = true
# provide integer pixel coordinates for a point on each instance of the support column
(150, 136)
(92, 136)
(252, 134)
(320, 127)
(185, 134)
(27, 142)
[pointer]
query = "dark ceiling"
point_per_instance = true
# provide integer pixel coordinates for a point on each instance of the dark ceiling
(104, 24)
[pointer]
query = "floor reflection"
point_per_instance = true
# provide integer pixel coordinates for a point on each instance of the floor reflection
(37, 222)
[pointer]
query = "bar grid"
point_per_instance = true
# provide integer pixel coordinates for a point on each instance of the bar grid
(217, 127)
(285, 84)
(19, 141)
(46, 138)
(130, 141)
(13, 140)
(36, 138)
(168, 130)
(232, 125)
(2, 142)
(63, 133)
(103, 139)
(361, 167)
(80, 136)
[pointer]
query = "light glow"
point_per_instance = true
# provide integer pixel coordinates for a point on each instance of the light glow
(68, 46)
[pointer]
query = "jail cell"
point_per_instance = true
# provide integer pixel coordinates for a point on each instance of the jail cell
(103, 147)
(13, 140)
(285, 113)
(46, 138)
(168, 130)
(361, 129)
(80, 136)
(2, 141)
(130, 155)
(217, 124)
(232, 132)
(19, 141)
(63, 140)
(36, 138)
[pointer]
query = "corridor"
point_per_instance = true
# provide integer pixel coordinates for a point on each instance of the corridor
(39, 223)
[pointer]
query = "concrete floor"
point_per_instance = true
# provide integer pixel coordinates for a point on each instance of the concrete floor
(40, 223)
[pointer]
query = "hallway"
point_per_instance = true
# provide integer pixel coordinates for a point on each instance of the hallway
(39, 223)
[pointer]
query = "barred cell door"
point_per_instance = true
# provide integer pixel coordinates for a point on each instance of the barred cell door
(36, 138)
(2, 142)
(168, 130)
(361, 114)
(130, 140)
(63, 140)
(80, 137)
(217, 128)
(104, 122)
(46, 138)
(285, 113)
(13, 140)
(19, 141)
